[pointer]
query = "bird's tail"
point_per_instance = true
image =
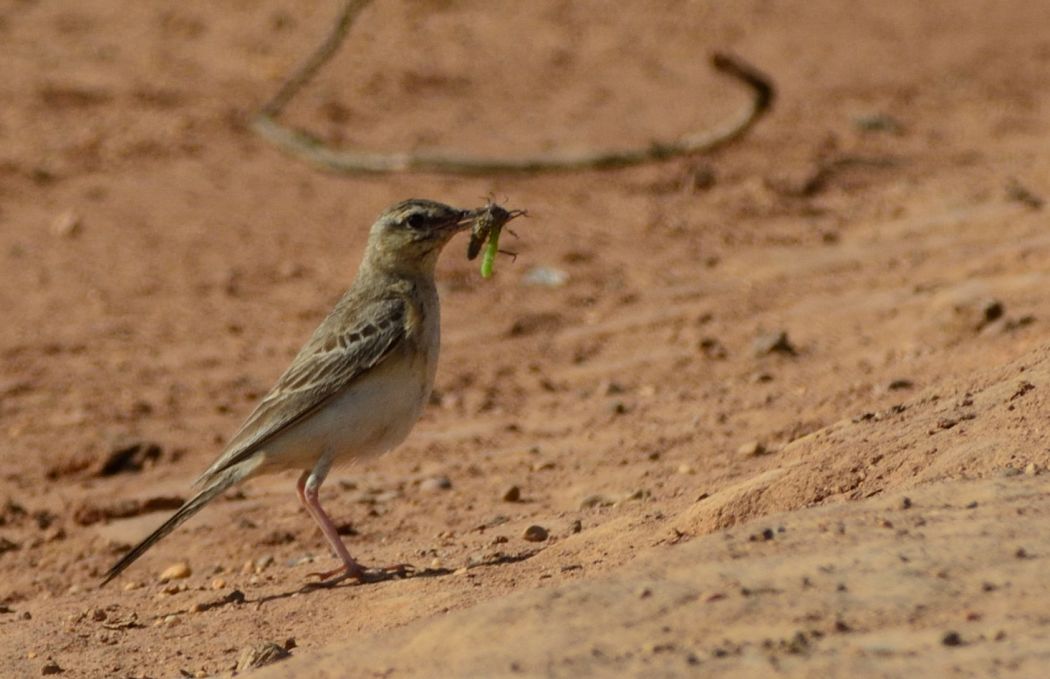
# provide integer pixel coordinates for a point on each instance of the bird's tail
(217, 485)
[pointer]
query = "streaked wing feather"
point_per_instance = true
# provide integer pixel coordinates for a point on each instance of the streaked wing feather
(329, 362)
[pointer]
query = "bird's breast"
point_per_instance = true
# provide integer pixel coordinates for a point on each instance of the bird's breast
(371, 417)
(423, 326)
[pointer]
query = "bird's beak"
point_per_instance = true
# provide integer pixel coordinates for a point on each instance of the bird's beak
(462, 221)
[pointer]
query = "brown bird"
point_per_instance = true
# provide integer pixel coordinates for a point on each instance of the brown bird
(358, 386)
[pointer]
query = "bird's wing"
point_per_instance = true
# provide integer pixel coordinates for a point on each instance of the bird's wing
(329, 362)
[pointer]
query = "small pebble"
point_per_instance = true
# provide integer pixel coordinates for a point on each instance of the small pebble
(654, 647)
(289, 270)
(1022, 194)
(535, 533)
(712, 348)
(390, 495)
(878, 122)
(512, 494)
(435, 484)
(640, 494)
(51, 667)
(1031, 469)
(218, 583)
(765, 535)
(592, 501)
(176, 571)
(773, 343)
(66, 225)
(752, 449)
(991, 310)
(545, 276)
(686, 469)
(701, 178)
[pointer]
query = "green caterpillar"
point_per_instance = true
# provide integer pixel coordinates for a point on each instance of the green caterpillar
(488, 260)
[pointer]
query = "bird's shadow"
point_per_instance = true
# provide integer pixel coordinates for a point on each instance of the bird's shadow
(372, 577)
(376, 576)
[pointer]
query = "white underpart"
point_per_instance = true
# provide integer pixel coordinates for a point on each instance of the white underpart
(374, 415)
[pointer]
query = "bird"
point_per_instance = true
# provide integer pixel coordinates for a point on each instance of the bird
(357, 386)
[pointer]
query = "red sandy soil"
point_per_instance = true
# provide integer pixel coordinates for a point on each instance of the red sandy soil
(710, 507)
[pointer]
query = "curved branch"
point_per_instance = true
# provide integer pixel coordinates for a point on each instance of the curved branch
(308, 69)
(313, 150)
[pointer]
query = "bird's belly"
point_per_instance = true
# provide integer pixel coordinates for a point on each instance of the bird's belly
(371, 417)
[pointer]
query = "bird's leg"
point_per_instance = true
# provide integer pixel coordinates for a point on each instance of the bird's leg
(307, 487)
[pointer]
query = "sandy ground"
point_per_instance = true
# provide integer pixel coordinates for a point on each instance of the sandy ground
(711, 504)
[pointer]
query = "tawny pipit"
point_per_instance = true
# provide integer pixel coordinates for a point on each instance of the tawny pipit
(360, 383)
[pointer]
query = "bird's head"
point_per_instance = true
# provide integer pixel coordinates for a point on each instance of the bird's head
(407, 237)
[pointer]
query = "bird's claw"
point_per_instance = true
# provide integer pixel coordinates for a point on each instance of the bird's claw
(363, 575)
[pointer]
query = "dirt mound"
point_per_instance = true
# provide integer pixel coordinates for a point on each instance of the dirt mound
(859, 589)
(984, 427)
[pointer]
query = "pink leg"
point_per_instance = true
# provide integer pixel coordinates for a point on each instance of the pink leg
(308, 485)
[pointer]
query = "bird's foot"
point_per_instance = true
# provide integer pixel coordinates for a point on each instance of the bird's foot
(342, 573)
(361, 574)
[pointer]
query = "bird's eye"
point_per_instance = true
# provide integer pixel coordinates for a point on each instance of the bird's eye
(415, 221)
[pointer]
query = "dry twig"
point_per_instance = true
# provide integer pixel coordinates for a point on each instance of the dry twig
(311, 149)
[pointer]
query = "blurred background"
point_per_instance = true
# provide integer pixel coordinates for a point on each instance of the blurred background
(666, 332)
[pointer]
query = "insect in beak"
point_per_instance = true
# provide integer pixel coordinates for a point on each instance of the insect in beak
(488, 221)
